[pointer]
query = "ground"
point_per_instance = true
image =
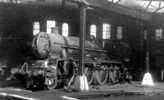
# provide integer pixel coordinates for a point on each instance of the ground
(132, 91)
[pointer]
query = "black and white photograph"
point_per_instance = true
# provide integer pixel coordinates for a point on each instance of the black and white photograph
(81, 49)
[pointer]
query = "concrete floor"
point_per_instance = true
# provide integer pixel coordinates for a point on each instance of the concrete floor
(114, 92)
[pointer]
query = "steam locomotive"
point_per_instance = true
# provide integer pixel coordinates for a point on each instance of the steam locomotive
(58, 60)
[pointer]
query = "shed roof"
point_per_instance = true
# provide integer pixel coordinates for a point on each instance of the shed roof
(124, 7)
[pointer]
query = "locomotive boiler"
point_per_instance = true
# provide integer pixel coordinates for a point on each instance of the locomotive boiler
(58, 60)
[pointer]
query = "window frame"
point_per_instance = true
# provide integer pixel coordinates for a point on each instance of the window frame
(159, 34)
(93, 30)
(106, 32)
(36, 27)
(119, 32)
(49, 26)
(64, 32)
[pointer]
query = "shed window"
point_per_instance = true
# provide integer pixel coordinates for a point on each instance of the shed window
(158, 34)
(119, 33)
(93, 30)
(65, 29)
(145, 35)
(106, 31)
(51, 24)
(36, 28)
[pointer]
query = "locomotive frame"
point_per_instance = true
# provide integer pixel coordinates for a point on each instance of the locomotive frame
(56, 70)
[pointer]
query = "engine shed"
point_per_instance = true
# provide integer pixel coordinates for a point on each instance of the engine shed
(126, 32)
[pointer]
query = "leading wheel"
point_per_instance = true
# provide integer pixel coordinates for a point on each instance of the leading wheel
(51, 82)
(51, 79)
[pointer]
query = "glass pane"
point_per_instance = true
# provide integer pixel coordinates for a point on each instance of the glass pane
(36, 28)
(106, 31)
(51, 24)
(93, 30)
(146, 5)
(65, 29)
(158, 34)
(119, 32)
(145, 35)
